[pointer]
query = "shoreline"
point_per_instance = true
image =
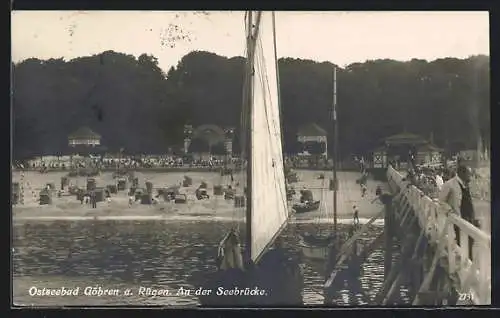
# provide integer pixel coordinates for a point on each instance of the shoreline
(186, 218)
(173, 169)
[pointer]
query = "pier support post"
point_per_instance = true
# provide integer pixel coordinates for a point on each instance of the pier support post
(388, 230)
(430, 274)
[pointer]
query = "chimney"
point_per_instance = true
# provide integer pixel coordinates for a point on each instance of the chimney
(431, 137)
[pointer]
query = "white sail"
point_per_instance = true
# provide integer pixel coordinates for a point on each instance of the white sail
(269, 209)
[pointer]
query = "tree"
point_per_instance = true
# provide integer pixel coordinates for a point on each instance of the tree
(134, 104)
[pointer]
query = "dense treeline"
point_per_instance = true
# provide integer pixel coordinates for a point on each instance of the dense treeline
(133, 104)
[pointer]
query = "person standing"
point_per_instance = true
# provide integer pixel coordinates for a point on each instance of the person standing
(93, 199)
(355, 215)
(455, 193)
(439, 180)
(363, 190)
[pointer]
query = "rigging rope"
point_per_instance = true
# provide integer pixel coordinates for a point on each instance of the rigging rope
(245, 107)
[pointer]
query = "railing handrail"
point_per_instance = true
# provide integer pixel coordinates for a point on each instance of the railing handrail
(433, 217)
(472, 230)
(475, 232)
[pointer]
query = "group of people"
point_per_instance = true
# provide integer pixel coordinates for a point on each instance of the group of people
(90, 198)
(363, 185)
(451, 188)
(429, 180)
(106, 162)
(455, 193)
(362, 181)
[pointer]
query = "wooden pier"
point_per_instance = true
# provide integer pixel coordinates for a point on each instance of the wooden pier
(422, 254)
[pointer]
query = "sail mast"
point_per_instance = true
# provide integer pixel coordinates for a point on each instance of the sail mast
(251, 44)
(335, 148)
(278, 79)
(248, 128)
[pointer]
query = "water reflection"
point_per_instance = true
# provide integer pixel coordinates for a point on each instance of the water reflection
(157, 254)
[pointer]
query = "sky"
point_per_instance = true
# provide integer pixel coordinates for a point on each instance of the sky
(339, 37)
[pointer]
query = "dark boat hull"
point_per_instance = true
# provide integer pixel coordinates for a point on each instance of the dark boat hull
(299, 208)
(315, 240)
(278, 278)
(316, 247)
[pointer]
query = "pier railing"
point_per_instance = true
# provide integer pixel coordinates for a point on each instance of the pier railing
(471, 273)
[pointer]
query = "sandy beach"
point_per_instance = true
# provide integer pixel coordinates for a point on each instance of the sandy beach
(216, 208)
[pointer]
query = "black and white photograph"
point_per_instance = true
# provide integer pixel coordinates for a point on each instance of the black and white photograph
(250, 158)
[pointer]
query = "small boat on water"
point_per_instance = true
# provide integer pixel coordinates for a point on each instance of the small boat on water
(316, 247)
(323, 245)
(307, 202)
(307, 206)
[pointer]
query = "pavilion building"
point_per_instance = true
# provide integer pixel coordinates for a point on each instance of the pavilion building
(312, 133)
(84, 136)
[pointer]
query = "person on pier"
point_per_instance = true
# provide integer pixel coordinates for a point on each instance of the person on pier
(439, 180)
(355, 215)
(456, 194)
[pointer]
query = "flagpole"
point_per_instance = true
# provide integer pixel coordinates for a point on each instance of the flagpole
(335, 148)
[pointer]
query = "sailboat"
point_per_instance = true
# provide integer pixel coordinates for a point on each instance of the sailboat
(321, 245)
(316, 246)
(260, 264)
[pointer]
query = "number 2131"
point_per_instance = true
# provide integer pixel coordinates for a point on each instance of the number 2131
(464, 296)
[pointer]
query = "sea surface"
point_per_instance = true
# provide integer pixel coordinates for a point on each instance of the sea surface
(160, 255)
(165, 254)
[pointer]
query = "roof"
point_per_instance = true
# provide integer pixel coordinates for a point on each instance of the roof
(311, 130)
(211, 133)
(84, 132)
(405, 138)
(429, 147)
(379, 149)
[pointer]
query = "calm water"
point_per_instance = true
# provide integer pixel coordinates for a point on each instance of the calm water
(151, 254)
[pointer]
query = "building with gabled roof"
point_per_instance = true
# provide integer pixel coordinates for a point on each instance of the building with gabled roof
(84, 136)
(312, 133)
(311, 130)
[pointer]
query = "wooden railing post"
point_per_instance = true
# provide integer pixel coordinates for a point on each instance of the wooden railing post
(484, 273)
(451, 248)
(474, 274)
